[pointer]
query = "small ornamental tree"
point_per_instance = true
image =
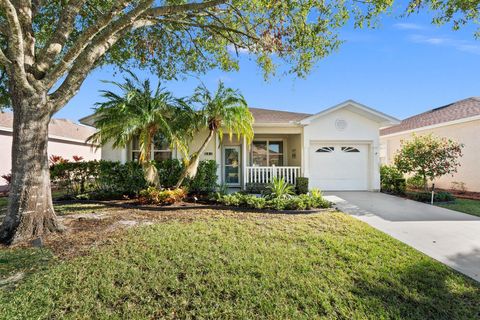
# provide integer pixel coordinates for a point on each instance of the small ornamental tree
(429, 157)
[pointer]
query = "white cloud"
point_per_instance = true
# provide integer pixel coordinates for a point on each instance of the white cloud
(231, 48)
(408, 26)
(461, 45)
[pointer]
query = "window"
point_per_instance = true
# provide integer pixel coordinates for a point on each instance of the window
(267, 153)
(135, 149)
(326, 149)
(350, 149)
(160, 149)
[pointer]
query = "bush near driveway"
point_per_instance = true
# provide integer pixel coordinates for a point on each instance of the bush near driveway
(391, 180)
(247, 266)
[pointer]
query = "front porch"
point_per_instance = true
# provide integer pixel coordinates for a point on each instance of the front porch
(267, 157)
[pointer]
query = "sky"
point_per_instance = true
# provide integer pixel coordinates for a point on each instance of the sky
(403, 67)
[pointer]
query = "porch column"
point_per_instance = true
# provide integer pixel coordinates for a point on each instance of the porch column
(124, 155)
(244, 163)
(218, 159)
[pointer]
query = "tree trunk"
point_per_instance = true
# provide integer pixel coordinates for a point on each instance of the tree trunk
(30, 211)
(192, 167)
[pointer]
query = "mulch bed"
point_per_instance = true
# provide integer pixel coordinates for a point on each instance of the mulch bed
(463, 194)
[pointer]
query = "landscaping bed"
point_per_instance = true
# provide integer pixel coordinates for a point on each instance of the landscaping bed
(211, 263)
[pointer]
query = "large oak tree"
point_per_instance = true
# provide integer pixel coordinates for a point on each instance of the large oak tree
(48, 48)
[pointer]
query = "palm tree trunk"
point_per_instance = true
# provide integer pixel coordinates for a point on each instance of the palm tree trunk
(190, 170)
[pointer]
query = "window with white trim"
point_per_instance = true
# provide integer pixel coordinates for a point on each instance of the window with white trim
(267, 153)
(160, 149)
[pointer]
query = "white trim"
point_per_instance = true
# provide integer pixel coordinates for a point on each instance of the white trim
(433, 126)
(386, 118)
(268, 139)
(237, 147)
(276, 124)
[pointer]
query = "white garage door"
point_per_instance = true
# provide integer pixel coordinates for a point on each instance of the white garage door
(338, 166)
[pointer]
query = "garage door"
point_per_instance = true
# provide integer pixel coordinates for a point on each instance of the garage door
(338, 166)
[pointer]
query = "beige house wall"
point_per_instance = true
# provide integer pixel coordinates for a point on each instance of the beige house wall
(65, 148)
(467, 133)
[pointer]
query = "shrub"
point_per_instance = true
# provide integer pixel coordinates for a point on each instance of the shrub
(428, 156)
(98, 179)
(127, 179)
(415, 183)
(301, 185)
(301, 202)
(255, 187)
(169, 172)
(391, 180)
(206, 179)
(152, 195)
(279, 189)
(427, 196)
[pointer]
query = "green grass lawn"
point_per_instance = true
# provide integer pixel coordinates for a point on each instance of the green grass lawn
(464, 205)
(244, 266)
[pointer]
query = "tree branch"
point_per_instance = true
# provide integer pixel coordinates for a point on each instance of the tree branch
(173, 9)
(94, 51)
(55, 44)
(15, 53)
(60, 68)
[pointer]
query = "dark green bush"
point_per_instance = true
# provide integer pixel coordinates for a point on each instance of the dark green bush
(427, 196)
(103, 180)
(301, 185)
(117, 178)
(255, 187)
(206, 179)
(391, 180)
(169, 172)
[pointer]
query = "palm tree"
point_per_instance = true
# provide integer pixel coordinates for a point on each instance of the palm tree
(224, 111)
(143, 112)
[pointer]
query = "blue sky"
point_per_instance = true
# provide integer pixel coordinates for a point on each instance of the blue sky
(404, 67)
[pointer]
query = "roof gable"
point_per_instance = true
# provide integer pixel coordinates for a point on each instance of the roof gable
(351, 105)
(462, 109)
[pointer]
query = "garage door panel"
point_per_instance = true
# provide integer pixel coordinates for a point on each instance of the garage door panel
(339, 166)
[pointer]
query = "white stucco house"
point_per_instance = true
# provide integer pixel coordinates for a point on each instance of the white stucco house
(337, 148)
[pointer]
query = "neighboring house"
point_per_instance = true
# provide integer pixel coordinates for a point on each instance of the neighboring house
(337, 149)
(459, 121)
(66, 139)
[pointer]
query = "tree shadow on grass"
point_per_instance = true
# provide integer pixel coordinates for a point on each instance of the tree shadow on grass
(426, 290)
(17, 263)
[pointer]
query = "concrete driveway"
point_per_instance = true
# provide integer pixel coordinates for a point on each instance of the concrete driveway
(448, 236)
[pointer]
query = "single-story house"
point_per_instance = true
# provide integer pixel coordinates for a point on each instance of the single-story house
(66, 139)
(337, 148)
(459, 121)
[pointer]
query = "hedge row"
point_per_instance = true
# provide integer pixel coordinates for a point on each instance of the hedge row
(110, 180)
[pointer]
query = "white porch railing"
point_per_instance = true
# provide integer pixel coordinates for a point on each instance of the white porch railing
(266, 174)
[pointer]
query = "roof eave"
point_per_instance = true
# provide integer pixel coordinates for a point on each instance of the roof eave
(383, 118)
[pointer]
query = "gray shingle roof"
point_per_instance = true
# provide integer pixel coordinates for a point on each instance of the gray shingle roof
(276, 116)
(58, 127)
(466, 108)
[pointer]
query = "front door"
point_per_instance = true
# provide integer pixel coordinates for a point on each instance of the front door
(231, 166)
